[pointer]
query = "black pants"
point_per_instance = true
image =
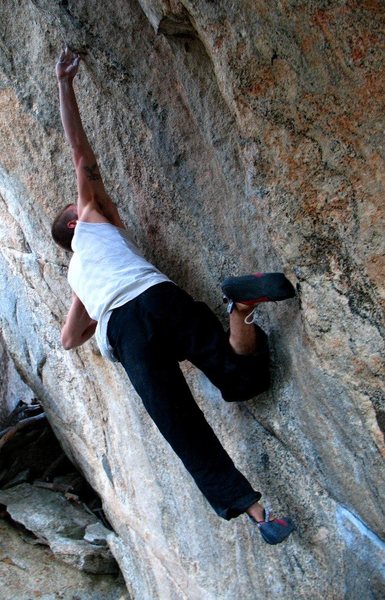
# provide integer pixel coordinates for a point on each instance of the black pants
(150, 335)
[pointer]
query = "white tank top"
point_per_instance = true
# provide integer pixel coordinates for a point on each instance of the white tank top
(106, 271)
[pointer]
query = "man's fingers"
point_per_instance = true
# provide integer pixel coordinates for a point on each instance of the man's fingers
(69, 59)
(65, 54)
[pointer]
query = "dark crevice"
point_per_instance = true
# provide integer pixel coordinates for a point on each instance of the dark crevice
(380, 416)
(33, 454)
(177, 26)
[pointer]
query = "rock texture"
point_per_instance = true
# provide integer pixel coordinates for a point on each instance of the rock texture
(27, 570)
(12, 387)
(233, 137)
(74, 535)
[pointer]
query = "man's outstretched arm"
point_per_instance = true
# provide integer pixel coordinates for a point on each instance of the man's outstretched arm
(92, 196)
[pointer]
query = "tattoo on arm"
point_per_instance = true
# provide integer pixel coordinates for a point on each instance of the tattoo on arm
(92, 172)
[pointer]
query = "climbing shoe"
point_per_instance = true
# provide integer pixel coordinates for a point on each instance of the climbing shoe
(256, 288)
(276, 530)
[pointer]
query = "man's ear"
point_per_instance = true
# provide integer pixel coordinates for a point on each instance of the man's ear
(71, 224)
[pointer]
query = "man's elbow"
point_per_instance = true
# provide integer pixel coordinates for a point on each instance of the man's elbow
(71, 340)
(67, 341)
(67, 345)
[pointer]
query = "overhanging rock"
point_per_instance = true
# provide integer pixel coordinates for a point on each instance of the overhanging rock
(252, 143)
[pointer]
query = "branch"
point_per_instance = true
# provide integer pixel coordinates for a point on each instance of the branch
(8, 433)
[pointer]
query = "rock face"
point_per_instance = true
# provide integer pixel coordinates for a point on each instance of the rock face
(66, 528)
(232, 139)
(12, 388)
(28, 571)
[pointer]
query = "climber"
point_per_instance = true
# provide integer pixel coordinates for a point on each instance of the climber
(149, 324)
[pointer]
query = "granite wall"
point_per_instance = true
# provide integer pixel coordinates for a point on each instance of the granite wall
(233, 137)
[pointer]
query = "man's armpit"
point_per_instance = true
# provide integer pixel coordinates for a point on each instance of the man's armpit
(92, 172)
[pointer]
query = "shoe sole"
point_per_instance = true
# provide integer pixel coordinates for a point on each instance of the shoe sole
(252, 289)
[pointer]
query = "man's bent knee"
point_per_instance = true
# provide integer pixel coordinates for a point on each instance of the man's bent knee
(245, 390)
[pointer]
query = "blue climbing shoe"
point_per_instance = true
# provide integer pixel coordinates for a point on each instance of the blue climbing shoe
(276, 530)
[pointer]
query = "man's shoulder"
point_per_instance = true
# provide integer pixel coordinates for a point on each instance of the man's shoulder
(93, 213)
(90, 214)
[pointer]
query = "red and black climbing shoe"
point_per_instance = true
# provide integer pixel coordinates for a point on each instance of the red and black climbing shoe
(256, 288)
(275, 531)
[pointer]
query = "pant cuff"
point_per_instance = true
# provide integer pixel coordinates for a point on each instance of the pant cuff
(241, 505)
